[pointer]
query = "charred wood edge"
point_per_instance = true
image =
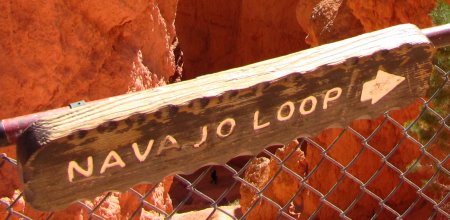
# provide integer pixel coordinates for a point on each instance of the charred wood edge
(87, 118)
(439, 36)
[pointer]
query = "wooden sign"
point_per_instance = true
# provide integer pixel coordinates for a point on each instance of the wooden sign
(145, 136)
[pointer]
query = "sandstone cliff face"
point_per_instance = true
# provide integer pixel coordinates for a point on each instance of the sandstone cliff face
(281, 190)
(53, 53)
(221, 34)
(375, 15)
(327, 21)
(299, 201)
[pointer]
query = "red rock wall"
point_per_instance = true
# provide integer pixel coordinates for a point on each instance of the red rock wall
(327, 21)
(53, 53)
(281, 190)
(221, 34)
(376, 15)
(326, 176)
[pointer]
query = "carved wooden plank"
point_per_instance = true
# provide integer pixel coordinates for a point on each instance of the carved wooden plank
(145, 136)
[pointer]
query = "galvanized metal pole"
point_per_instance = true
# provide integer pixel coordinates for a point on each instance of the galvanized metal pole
(439, 35)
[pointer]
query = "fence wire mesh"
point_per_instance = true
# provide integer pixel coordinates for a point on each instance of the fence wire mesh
(396, 166)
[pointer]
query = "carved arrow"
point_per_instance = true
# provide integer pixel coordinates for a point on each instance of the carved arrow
(379, 87)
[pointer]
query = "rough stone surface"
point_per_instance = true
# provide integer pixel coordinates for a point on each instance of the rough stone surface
(159, 197)
(224, 213)
(325, 175)
(326, 21)
(53, 53)
(221, 34)
(57, 52)
(283, 187)
(225, 34)
(376, 15)
(257, 174)
(8, 176)
(363, 168)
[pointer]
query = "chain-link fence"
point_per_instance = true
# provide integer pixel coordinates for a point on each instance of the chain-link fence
(396, 166)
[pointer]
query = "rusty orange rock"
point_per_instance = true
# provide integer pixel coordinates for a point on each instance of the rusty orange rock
(328, 178)
(55, 53)
(326, 21)
(281, 190)
(225, 34)
(329, 20)
(376, 15)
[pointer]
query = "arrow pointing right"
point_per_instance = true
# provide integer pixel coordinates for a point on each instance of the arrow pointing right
(379, 87)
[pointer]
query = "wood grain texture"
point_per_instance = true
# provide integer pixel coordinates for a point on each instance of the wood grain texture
(145, 136)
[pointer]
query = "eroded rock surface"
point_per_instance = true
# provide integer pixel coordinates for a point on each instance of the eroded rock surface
(57, 52)
(221, 34)
(327, 178)
(54, 53)
(281, 190)
(327, 21)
